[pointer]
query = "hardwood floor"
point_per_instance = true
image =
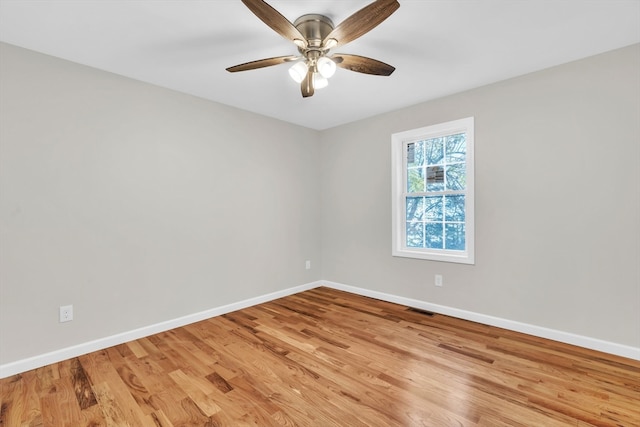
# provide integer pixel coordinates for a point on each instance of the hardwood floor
(329, 358)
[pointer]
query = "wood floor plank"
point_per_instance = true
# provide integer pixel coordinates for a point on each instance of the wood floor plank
(171, 403)
(206, 405)
(82, 386)
(329, 358)
(61, 401)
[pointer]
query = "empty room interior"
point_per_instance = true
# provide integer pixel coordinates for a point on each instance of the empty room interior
(184, 245)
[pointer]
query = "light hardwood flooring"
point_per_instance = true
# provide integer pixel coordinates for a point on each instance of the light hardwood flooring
(328, 358)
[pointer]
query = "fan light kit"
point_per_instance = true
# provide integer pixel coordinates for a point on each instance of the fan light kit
(315, 35)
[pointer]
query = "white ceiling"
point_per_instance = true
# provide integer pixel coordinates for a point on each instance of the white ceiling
(438, 47)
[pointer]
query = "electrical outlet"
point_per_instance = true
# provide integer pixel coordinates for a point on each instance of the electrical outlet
(307, 265)
(438, 280)
(66, 313)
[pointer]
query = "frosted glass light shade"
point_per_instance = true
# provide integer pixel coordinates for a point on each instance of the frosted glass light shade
(298, 71)
(319, 81)
(326, 67)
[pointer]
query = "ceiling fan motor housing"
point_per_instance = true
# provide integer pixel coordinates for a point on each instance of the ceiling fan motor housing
(314, 28)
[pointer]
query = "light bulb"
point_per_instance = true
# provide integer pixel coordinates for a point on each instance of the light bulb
(326, 67)
(319, 81)
(298, 71)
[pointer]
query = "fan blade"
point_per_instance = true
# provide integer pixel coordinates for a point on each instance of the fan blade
(275, 21)
(361, 22)
(261, 63)
(362, 64)
(307, 85)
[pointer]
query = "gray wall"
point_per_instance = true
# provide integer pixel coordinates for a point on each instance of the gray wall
(139, 205)
(557, 201)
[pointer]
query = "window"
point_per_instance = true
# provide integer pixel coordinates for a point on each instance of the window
(432, 190)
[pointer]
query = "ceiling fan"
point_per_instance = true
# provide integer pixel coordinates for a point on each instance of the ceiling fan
(315, 35)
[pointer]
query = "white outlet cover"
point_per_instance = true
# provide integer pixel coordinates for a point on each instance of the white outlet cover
(66, 313)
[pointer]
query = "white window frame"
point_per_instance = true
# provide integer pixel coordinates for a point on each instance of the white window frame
(399, 142)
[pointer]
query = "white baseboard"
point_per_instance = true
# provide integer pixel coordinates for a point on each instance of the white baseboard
(538, 331)
(24, 365)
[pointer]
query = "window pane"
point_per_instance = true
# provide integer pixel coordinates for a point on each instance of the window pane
(415, 180)
(415, 234)
(456, 147)
(456, 177)
(433, 208)
(415, 154)
(415, 208)
(435, 178)
(454, 208)
(455, 237)
(434, 150)
(433, 238)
